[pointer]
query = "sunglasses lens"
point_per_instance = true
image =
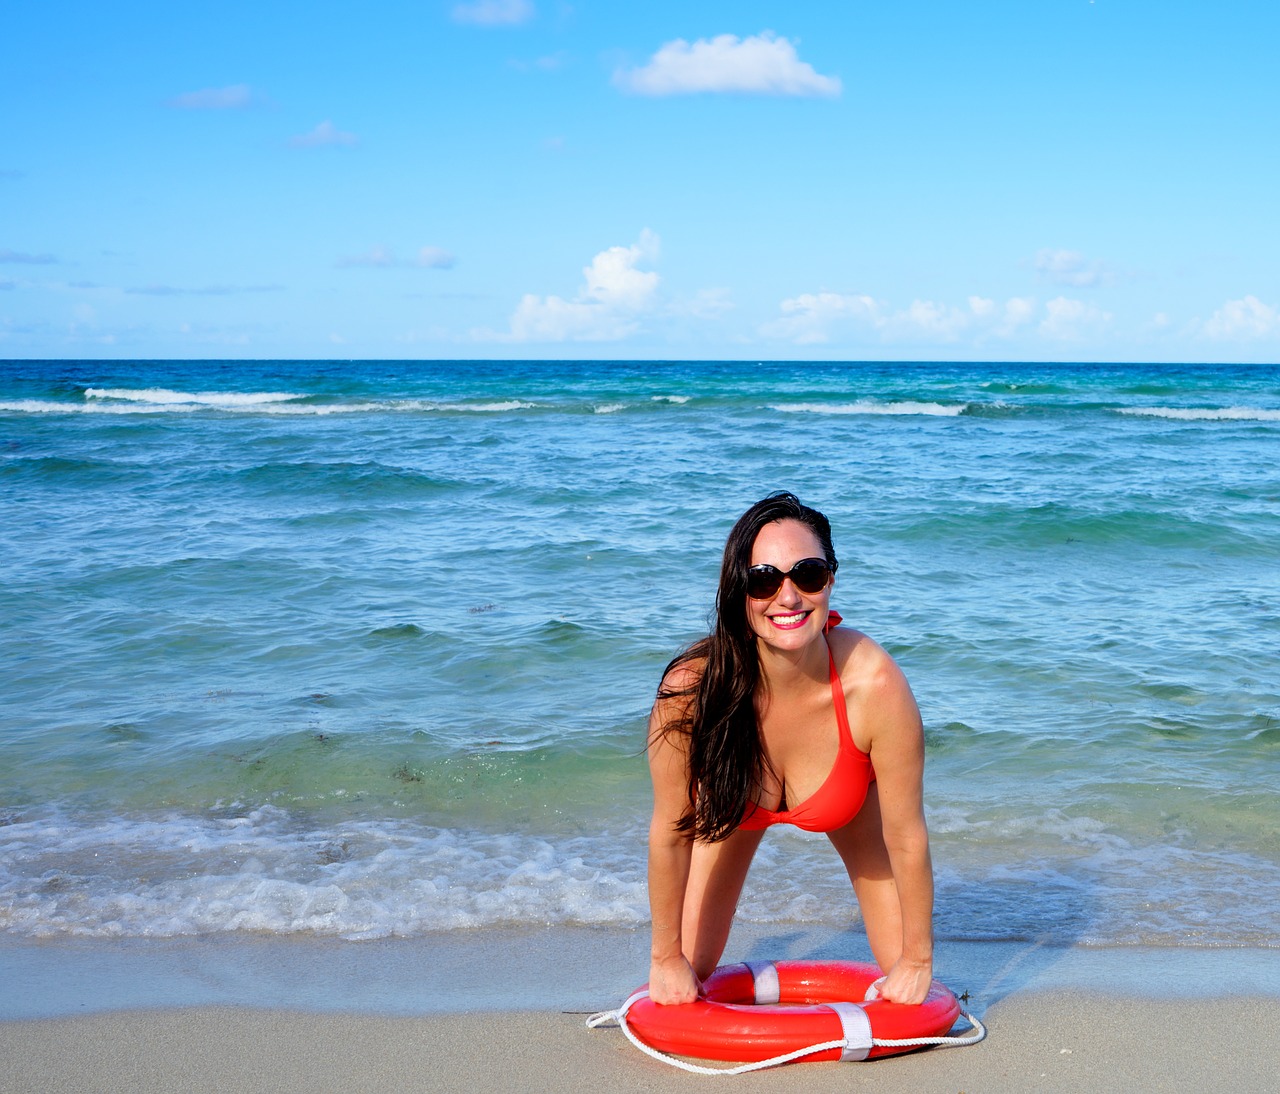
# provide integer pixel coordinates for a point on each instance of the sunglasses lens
(763, 582)
(810, 575)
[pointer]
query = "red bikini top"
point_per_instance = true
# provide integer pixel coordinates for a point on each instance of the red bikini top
(837, 801)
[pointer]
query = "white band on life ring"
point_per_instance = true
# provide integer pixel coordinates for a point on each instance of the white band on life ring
(765, 974)
(857, 1031)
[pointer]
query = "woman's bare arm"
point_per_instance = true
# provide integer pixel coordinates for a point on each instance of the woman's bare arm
(897, 753)
(671, 978)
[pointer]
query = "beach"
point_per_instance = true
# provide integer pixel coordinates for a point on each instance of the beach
(379, 390)
(507, 1012)
(1049, 1043)
(292, 789)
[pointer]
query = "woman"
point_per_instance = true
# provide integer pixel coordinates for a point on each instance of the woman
(780, 715)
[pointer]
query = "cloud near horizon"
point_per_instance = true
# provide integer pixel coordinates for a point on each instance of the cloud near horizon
(324, 134)
(817, 318)
(1248, 318)
(1069, 320)
(614, 297)
(493, 13)
(763, 64)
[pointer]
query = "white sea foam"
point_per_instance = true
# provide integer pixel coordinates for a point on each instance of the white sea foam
(165, 397)
(263, 872)
(39, 406)
(867, 406)
(489, 408)
(1204, 414)
(53, 406)
(158, 401)
(500, 407)
(315, 409)
(1045, 875)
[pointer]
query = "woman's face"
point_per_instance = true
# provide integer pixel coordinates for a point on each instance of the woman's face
(790, 619)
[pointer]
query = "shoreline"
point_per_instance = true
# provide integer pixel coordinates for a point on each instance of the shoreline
(560, 969)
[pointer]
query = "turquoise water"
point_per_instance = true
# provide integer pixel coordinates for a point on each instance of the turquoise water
(366, 649)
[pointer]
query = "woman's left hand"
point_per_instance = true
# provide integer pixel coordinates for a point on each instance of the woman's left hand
(907, 982)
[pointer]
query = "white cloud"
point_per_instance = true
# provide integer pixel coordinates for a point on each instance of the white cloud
(807, 319)
(815, 318)
(1018, 310)
(432, 258)
(435, 258)
(493, 13)
(614, 297)
(1001, 322)
(1070, 320)
(936, 322)
(613, 280)
(1070, 268)
(763, 65)
(325, 133)
(1243, 319)
(235, 97)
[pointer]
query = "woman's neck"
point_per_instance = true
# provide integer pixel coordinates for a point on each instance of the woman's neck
(783, 670)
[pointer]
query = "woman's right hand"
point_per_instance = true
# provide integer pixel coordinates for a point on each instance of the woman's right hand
(672, 980)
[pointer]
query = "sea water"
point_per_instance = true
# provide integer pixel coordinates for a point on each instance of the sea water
(366, 649)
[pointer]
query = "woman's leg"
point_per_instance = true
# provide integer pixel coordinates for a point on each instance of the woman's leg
(716, 874)
(861, 847)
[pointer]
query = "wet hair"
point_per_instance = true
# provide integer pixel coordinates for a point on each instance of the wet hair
(726, 758)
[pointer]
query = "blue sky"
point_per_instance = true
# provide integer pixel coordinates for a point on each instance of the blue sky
(1033, 180)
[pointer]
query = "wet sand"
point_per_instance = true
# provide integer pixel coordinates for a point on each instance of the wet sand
(506, 1011)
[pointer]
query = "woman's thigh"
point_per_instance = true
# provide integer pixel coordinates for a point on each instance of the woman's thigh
(716, 875)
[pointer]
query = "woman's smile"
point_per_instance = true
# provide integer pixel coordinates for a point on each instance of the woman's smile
(789, 621)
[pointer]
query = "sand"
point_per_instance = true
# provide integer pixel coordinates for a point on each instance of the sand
(1037, 1042)
(499, 1011)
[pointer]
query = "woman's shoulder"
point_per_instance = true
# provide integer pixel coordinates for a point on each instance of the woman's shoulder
(881, 706)
(861, 661)
(683, 675)
(672, 712)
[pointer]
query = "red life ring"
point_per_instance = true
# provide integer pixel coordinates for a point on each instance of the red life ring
(760, 1010)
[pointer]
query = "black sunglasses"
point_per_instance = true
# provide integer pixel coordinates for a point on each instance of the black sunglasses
(809, 575)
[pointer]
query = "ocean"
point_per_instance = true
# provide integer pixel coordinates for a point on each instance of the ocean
(364, 650)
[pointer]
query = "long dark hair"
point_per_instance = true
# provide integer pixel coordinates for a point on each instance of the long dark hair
(726, 759)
